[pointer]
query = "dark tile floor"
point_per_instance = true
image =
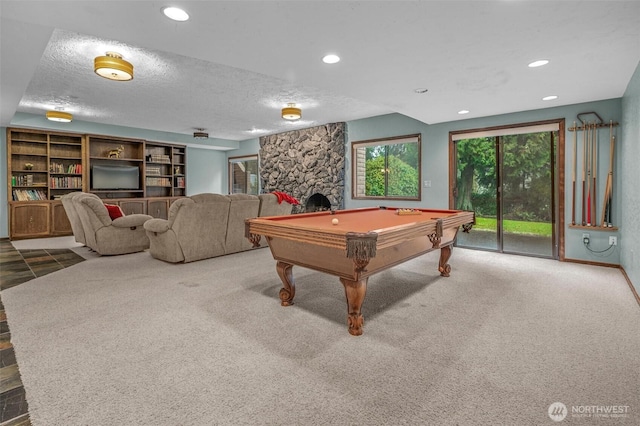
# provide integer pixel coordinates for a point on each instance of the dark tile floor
(17, 267)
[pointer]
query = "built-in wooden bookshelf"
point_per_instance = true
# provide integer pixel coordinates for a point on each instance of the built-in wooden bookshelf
(43, 166)
(179, 171)
(118, 153)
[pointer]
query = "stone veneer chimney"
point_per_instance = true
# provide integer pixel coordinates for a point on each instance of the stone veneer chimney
(305, 162)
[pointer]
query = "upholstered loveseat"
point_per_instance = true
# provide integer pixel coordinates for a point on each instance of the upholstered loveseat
(208, 225)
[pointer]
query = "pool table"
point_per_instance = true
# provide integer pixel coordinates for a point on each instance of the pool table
(355, 244)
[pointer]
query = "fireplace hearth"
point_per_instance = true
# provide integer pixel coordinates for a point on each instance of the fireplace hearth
(317, 203)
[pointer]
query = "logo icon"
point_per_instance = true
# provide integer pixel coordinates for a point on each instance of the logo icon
(557, 411)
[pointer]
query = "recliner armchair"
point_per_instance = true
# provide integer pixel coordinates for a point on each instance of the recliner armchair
(74, 218)
(123, 235)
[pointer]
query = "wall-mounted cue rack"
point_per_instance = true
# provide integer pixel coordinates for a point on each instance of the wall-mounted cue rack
(586, 140)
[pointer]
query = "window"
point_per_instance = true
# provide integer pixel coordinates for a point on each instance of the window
(243, 175)
(387, 168)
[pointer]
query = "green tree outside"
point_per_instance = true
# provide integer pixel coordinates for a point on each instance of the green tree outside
(402, 179)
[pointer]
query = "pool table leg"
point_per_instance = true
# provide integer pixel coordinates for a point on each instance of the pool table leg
(289, 290)
(355, 292)
(443, 266)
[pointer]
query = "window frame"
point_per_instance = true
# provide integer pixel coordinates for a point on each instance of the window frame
(243, 158)
(393, 140)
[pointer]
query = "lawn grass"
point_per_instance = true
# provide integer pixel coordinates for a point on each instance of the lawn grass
(515, 226)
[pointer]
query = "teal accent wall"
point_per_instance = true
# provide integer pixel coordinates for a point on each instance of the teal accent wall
(628, 177)
(206, 171)
(76, 126)
(435, 163)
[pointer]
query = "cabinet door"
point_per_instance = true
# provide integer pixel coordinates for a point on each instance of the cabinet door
(29, 220)
(158, 208)
(60, 224)
(133, 206)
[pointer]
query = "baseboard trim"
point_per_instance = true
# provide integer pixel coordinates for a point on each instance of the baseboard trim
(589, 262)
(631, 287)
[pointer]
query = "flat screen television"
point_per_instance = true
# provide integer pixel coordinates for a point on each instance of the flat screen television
(115, 177)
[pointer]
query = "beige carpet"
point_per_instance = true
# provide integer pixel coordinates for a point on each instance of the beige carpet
(129, 340)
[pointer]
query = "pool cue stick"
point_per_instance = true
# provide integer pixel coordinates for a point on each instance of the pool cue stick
(584, 171)
(589, 163)
(594, 172)
(608, 195)
(575, 150)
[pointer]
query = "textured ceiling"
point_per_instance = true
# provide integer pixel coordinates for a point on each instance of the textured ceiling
(234, 65)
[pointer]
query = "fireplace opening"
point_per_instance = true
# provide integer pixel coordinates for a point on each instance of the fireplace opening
(317, 203)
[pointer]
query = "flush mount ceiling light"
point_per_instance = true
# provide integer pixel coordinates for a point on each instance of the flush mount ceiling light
(538, 63)
(331, 59)
(291, 112)
(59, 116)
(113, 67)
(200, 134)
(176, 14)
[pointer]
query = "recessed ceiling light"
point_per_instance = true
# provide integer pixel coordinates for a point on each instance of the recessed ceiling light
(331, 59)
(463, 111)
(549, 98)
(175, 13)
(421, 90)
(538, 63)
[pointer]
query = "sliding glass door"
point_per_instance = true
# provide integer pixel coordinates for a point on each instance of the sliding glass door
(508, 181)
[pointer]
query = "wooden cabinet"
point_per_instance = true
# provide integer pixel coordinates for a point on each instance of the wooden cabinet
(133, 206)
(43, 165)
(158, 208)
(60, 224)
(29, 219)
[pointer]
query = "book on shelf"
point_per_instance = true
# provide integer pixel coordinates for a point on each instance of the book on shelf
(56, 167)
(29, 195)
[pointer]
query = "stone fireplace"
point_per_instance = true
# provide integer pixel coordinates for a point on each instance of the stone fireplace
(307, 164)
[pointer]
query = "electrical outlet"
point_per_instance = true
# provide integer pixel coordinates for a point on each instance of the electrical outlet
(585, 238)
(613, 241)
(427, 184)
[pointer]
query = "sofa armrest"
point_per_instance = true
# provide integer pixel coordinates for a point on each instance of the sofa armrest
(157, 225)
(131, 220)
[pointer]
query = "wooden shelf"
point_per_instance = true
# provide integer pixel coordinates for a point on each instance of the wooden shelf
(53, 154)
(594, 228)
